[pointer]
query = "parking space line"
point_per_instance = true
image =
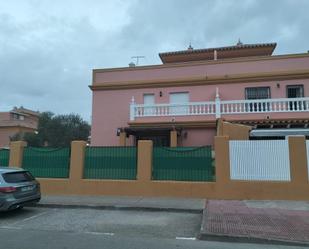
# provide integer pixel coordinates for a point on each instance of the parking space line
(186, 238)
(98, 233)
(33, 217)
(10, 227)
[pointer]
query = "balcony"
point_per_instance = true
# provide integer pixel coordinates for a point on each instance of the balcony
(218, 108)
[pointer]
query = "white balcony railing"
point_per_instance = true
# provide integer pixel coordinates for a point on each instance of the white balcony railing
(219, 107)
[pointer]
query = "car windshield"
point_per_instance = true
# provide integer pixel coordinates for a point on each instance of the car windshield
(16, 177)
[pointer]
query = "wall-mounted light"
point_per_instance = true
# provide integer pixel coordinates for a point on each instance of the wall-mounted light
(118, 131)
(278, 85)
(160, 93)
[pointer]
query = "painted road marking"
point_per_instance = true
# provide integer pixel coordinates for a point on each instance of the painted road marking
(98, 233)
(186, 238)
(10, 227)
(33, 217)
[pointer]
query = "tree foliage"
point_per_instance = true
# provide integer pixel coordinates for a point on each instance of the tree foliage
(56, 131)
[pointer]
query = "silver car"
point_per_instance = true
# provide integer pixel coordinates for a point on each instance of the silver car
(17, 188)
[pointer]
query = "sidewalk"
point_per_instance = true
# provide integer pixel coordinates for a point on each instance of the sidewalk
(124, 202)
(275, 222)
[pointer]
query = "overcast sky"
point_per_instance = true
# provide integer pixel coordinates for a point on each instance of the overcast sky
(48, 48)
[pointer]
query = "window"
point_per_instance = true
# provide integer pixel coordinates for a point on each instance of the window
(149, 101)
(17, 116)
(16, 177)
(255, 93)
(179, 103)
(296, 91)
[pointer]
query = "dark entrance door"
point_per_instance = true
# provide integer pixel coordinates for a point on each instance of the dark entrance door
(158, 138)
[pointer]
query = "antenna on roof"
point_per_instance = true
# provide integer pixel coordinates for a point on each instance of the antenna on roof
(190, 47)
(239, 43)
(137, 57)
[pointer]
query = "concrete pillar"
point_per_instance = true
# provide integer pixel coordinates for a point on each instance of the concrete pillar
(144, 160)
(16, 153)
(222, 162)
(122, 138)
(219, 127)
(77, 160)
(298, 160)
(173, 138)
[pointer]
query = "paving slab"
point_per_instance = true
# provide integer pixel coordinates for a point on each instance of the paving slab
(123, 202)
(249, 221)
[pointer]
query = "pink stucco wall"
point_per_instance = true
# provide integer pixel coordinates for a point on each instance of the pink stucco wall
(197, 137)
(110, 108)
(200, 70)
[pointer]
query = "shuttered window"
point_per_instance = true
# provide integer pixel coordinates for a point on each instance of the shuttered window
(257, 92)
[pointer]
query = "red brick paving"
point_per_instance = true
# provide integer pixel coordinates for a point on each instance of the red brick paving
(235, 219)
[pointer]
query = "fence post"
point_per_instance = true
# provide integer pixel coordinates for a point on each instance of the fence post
(298, 160)
(16, 153)
(144, 160)
(222, 159)
(77, 160)
(122, 138)
(173, 138)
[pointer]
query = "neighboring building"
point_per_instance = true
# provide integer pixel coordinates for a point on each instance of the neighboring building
(244, 84)
(15, 121)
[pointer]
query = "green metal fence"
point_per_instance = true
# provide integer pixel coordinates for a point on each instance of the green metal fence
(47, 162)
(4, 157)
(110, 163)
(183, 164)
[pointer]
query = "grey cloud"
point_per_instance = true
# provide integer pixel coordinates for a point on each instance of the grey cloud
(47, 49)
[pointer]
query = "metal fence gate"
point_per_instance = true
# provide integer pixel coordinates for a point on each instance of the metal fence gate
(183, 164)
(47, 162)
(111, 163)
(4, 157)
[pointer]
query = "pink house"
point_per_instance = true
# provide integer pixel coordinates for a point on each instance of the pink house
(180, 100)
(18, 120)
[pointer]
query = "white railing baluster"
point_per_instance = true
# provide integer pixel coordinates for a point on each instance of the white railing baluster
(220, 107)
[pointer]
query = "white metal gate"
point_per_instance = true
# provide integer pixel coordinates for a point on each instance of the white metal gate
(307, 146)
(266, 160)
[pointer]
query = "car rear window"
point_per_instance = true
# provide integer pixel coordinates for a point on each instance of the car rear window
(16, 177)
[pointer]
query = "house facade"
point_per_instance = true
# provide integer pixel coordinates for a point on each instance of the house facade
(16, 121)
(179, 102)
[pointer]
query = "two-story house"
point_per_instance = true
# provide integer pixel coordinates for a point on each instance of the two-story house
(16, 121)
(181, 99)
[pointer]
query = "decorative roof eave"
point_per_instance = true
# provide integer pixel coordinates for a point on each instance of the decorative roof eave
(205, 80)
(212, 123)
(176, 124)
(272, 46)
(209, 54)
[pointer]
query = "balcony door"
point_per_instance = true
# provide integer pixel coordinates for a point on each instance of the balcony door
(149, 101)
(296, 91)
(181, 101)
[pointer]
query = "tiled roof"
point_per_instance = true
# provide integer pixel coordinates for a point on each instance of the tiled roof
(267, 48)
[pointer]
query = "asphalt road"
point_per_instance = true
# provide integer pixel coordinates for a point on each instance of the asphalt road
(48, 228)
